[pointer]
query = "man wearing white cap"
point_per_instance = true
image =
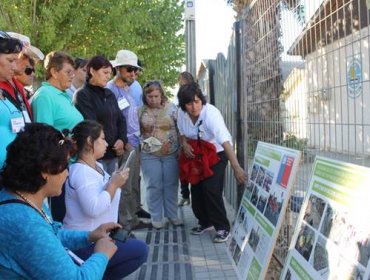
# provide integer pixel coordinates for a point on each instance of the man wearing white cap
(126, 65)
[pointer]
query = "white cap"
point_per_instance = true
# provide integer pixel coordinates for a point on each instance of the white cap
(29, 50)
(125, 57)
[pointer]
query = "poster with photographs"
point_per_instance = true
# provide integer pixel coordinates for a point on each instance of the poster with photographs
(262, 209)
(332, 237)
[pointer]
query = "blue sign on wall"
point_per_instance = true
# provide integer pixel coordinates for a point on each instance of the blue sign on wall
(354, 76)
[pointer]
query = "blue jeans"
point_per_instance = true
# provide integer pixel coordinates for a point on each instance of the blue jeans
(128, 257)
(161, 178)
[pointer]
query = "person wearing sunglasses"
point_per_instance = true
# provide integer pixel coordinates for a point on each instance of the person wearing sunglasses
(27, 74)
(25, 71)
(11, 117)
(126, 66)
(135, 88)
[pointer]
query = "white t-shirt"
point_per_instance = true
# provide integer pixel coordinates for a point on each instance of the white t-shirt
(210, 126)
(88, 205)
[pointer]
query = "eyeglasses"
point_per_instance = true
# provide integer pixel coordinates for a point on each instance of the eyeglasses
(29, 70)
(130, 68)
(69, 72)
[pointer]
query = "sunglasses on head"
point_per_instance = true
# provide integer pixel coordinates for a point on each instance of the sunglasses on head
(152, 83)
(28, 71)
(130, 68)
(4, 35)
(8, 44)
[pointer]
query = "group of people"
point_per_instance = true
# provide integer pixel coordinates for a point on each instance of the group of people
(84, 123)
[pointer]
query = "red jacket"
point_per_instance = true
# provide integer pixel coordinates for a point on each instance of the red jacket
(199, 168)
(6, 86)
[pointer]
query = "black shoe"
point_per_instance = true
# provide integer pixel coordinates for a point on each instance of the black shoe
(200, 229)
(143, 214)
(221, 236)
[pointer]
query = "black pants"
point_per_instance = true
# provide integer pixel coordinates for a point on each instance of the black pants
(185, 192)
(58, 206)
(207, 198)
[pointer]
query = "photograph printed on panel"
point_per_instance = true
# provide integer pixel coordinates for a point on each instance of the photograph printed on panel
(320, 260)
(254, 238)
(314, 211)
(268, 181)
(249, 190)
(273, 207)
(260, 176)
(255, 195)
(262, 200)
(305, 241)
(255, 169)
(239, 229)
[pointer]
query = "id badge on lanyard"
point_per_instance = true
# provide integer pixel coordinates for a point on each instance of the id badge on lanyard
(123, 103)
(17, 124)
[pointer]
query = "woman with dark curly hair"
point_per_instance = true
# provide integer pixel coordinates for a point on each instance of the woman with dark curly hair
(33, 246)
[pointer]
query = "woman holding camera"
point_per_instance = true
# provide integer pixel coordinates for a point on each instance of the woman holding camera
(92, 198)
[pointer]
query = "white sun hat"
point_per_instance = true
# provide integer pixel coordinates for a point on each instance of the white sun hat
(125, 57)
(28, 49)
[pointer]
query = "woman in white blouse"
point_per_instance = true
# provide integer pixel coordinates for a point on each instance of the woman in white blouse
(92, 197)
(199, 120)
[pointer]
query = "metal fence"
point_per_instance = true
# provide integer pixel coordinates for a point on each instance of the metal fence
(299, 77)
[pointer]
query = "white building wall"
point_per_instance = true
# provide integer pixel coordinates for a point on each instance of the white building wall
(336, 121)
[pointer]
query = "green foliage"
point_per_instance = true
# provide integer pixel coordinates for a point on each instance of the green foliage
(292, 141)
(153, 29)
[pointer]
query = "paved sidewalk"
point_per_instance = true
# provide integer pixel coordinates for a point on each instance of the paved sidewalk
(176, 254)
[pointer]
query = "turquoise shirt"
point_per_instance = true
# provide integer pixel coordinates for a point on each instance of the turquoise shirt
(31, 248)
(7, 112)
(53, 106)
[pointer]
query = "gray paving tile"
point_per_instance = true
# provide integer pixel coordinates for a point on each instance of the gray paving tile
(176, 254)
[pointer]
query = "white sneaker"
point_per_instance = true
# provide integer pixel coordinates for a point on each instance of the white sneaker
(176, 222)
(184, 201)
(157, 225)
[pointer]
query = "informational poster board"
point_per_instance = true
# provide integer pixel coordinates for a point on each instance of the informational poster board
(262, 209)
(332, 236)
